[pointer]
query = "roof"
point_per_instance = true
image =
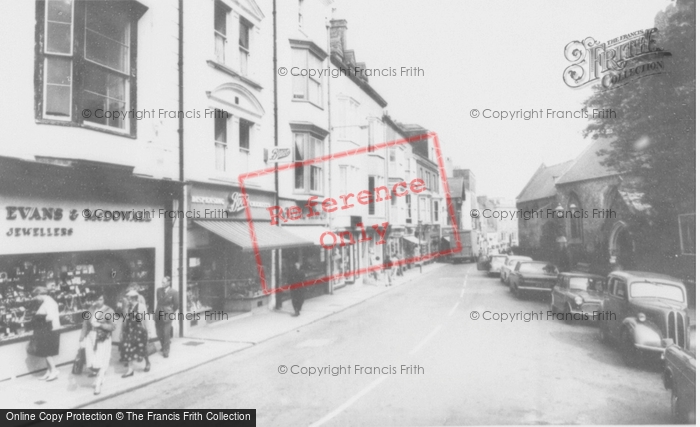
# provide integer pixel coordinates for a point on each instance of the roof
(542, 183)
(642, 275)
(587, 164)
(456, 186)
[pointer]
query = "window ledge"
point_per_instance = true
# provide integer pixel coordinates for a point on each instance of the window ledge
(221, 67)
(308, 102)
(84, 126)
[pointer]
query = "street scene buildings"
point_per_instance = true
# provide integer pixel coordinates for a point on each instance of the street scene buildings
(234, 166)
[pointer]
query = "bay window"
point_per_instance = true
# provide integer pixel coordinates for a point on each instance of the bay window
(305, 87)
(307, 178)
(87, 62)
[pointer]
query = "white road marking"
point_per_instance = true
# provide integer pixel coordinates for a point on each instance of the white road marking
(425, 340)
(461, 295)
(453, 309)
(349, 403)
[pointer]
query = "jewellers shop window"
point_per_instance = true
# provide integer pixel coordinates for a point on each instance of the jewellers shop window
(305, 87)
(86, 63)
(307, 178)
(686, 224)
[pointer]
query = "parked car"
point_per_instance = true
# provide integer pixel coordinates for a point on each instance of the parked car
(641, 309)
(679, 377)
(579, 296)
(509, 265)
(535, 276)
(495, 264)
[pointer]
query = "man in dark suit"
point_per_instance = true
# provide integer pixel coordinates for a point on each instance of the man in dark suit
(167, 303)
(297, 276)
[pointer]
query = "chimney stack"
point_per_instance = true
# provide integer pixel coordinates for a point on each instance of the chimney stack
(339, 27)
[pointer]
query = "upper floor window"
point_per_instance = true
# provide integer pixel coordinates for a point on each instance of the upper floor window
(244, 127)
(301, 13)
(221, 12)
(220, 142)
(307, 178)
(436, 211)
(686, 224)
(244, 28)
(87, 62)
(305, 87)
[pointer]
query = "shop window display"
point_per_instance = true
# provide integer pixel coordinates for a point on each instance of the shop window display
(73, 280)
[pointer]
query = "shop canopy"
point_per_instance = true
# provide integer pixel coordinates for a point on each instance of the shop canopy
(267, 236)
(312, 233)
(411, 239)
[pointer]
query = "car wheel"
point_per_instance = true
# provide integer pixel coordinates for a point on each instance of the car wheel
(553, 307)
(675, 410)
(603, 333)
(514, 289)
(629, 352)
(568, 317)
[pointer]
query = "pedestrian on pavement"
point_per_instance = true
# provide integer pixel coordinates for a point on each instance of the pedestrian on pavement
(398, 269)
(388, 270)
(135, 334)
(123, 308)
(167, 303)
(96, 339)
(45, 340)
(297, 276)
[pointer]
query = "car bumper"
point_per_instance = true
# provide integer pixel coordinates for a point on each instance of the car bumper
(650, 349)
(535, 289)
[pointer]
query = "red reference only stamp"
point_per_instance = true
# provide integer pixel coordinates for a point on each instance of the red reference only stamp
(317, 208)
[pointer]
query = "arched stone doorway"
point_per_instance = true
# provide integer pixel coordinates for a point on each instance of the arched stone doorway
(621, 247)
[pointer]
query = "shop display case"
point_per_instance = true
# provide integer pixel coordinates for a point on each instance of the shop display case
(74, 281)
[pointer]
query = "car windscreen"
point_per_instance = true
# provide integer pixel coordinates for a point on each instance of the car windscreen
(537, 268)
(656, 290)
(498, 260)
(585, 283)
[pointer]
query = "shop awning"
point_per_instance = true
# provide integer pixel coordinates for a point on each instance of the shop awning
(312, 233)
(411, 239)
(267, 236)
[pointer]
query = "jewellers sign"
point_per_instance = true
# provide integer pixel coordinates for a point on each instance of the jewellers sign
(615, 62)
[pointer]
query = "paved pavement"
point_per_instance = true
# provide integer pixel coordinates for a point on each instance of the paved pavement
(206, 344)
(346, 369)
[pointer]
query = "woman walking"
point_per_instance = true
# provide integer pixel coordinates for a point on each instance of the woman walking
(135, 335)
(45, 339)
(96, 338)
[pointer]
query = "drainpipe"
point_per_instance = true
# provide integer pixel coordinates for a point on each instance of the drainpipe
(276, 260)
(329, 220)
(181, 140)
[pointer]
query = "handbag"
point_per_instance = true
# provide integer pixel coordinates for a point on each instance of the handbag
(79, 362)
(32, 347)
(102, 335)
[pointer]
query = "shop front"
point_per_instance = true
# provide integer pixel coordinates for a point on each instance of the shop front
(222, 260)
(76, 232)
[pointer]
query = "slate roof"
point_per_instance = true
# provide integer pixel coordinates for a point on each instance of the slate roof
(587, 164)
(542, 183)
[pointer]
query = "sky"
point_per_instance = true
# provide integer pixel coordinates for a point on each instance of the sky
(497, 55)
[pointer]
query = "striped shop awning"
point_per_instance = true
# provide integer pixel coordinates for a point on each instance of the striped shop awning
(267, 236)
